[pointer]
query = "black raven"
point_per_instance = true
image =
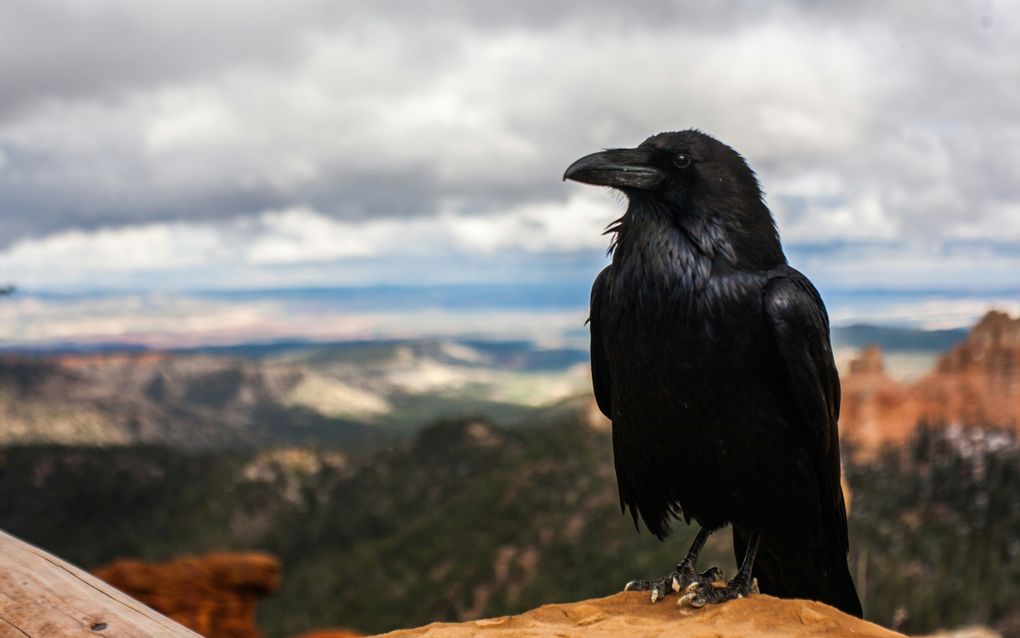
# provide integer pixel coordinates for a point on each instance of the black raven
(711, 356)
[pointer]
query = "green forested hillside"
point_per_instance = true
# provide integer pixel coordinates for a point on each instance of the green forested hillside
(468, 519)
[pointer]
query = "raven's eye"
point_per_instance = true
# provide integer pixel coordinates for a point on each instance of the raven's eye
(682, 160)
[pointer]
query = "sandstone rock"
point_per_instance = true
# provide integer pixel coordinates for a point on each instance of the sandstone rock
(875, 408)
(975, 384)
(631, 614)
(214, 594)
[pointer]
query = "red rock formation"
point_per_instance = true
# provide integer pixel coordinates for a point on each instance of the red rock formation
(631, 614)
(875, 409)
(215, 594)
(975, 384)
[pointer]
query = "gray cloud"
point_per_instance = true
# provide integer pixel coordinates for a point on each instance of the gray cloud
(98, 50)
(866, 121)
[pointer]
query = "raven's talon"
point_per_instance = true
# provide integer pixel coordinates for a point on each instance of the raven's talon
(683, 579)
(693, 599)
(715, 595)
(657, 594)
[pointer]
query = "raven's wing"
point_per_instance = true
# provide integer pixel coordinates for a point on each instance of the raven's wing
(600, 380)
(800, 329)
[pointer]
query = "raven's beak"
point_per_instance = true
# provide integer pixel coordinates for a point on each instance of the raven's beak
(617, 167)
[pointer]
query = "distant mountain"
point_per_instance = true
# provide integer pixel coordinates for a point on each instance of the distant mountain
(892, 339)
(193, 401)
(517, 353)
(344, 393)
(354, 392)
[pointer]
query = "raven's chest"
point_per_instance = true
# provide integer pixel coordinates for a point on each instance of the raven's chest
(681, 302)
(686, 325)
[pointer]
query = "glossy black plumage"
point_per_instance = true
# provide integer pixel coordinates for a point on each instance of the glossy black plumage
(711, 356)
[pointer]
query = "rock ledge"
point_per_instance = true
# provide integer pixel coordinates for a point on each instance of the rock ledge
(631, 614)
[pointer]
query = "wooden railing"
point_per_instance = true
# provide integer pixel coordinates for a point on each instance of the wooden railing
(42, 596)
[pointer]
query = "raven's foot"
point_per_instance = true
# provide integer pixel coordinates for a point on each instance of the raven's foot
(697, 595)
(682, 578)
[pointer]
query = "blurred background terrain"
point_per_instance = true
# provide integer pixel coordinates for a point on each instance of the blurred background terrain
(392, 503)
(297, 290)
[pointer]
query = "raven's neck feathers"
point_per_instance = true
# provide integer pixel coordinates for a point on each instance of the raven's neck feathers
(703, 239)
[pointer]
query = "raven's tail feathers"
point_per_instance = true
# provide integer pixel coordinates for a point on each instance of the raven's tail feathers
(823, 576)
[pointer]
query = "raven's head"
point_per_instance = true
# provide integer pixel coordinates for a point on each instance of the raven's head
(703, 186)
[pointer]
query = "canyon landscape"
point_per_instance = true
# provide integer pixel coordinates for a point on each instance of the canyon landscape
(465, 497)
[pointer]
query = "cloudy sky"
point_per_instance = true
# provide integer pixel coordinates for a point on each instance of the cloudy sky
(196, 145)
